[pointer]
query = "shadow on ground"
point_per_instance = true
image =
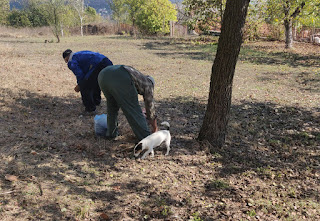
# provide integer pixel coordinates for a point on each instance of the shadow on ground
(249, 54)
(43, 139)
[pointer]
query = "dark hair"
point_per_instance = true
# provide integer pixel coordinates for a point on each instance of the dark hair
(66, 53)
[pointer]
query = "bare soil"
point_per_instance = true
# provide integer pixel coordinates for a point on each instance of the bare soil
(53, 167)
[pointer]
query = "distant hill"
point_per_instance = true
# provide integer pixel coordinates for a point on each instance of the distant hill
(16, 4)
(97, 4)
(101, 6)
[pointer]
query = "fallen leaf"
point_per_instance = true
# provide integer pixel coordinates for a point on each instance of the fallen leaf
(101, 153)
(104, 216)
(33, 152)
(11, 178)
(117, 188)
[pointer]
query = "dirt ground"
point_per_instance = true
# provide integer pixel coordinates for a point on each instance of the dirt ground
(53, 167)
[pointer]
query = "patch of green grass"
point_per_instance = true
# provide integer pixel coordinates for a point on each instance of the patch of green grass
(92, 170)
(216, 155)
(248, 173)
(247, 53)
(304, 135)
(274, 142)
(165, 210)
(292, 193)
(82, 211)
(252, 213)
(196, 217)
(217, 185)
(266, 172)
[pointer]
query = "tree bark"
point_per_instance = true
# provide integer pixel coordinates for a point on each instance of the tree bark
(288, 33)
(58, 38)
(81, 26)
(214, 126)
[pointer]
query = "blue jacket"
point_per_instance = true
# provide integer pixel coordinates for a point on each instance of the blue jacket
(82, 63)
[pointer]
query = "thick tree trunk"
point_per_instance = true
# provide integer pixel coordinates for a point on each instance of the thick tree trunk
(288, 33)
(214, 125)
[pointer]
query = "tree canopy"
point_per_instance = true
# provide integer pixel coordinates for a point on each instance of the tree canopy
(288, 12)
(4, 10)
(154, 16)
(204, 14)
(150, 16)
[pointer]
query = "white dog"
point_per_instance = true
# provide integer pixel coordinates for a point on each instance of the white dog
(154, 140)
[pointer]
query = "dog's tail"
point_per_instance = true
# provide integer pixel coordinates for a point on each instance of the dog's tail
(166, 124)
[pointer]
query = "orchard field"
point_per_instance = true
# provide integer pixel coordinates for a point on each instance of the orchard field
(54, 168)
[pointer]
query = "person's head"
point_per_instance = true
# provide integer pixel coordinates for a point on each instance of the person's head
(66, 55)
(151, 79)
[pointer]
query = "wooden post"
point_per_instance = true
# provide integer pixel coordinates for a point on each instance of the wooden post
(171, 28)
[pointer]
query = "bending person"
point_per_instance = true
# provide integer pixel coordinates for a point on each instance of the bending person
(86, 66)
(121, 85)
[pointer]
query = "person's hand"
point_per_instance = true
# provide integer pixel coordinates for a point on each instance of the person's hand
(77, 88)
(154, 126)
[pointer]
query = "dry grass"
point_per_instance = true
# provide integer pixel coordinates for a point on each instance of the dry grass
(268, 169)
(24, 32)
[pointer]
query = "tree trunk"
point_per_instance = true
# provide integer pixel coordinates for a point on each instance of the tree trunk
(214, 125)
(61, 30)
(288, 33)
(58, 38)
(81, 27)
(288, 21)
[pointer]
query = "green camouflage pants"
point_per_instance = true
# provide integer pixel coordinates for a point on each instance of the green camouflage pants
(119, 89)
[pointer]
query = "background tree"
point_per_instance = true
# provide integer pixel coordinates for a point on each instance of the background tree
(119, 11)
(68, 19)
(55, 10)
(32, 15)
(310, 16)
(254, 21)
(150, 16)
(35, 13)
(214, 126)
(4, 11)
(204, 14)
(285, 11)
(181, 13)
(18, 18)
(78, 5)
(91, 14)
(154, 16)
(133, 8)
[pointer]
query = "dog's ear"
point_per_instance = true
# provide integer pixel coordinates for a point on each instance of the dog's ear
(138, 147)
(166, 125)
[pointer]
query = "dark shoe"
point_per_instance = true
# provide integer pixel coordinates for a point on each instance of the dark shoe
(113, 136)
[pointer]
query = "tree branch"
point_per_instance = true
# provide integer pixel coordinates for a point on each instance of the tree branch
(298, 10)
